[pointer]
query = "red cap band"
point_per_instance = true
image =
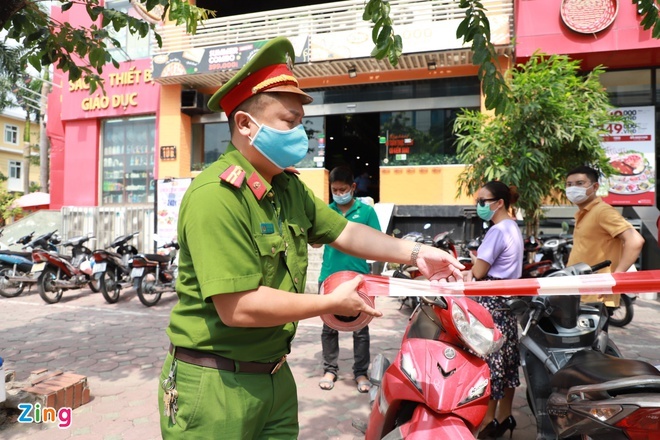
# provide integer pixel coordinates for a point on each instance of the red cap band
(260, 81)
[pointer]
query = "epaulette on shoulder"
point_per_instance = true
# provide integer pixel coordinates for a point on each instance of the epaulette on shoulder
(233, 175)
(292, 171)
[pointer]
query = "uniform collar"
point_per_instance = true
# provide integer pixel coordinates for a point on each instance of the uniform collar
(254, 181)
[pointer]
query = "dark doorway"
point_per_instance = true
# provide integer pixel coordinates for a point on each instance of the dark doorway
(353, 140)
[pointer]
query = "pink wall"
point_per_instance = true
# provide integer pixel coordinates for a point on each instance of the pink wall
(75, 116)
(624, 44)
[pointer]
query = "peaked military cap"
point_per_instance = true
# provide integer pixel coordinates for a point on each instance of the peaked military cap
(269, 70)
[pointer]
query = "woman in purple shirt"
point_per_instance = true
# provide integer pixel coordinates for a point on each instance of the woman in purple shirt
(500, 256)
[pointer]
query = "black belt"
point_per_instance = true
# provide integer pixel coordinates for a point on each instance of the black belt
(211, 360)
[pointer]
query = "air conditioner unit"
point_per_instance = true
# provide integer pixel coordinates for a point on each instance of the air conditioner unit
(194, 102)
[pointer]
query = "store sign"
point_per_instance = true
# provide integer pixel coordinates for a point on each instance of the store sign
(632, 155)
(127, 90)
(219, 58)
(418, 36)
(589, 16)
(399, 144)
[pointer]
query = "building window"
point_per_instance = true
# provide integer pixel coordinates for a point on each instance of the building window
(209, 142)
(15, 169)
(15, 178)
(133, 47)
(420, 137)
(128, 161)
(628, 87)
(11, 134)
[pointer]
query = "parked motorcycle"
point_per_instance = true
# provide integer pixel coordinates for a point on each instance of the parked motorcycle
(56, 272)
(16, 266)
(154, 274)
(623, 314)
(555, 328)
(112, 268)
(439, 384)
(441, 241)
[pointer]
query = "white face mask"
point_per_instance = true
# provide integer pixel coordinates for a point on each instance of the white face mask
(577, 194)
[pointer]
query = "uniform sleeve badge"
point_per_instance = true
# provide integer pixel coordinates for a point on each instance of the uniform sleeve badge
(234, 175)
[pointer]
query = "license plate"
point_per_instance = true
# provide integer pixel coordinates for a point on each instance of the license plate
(38, 267)
(137, 272)
(99, 267)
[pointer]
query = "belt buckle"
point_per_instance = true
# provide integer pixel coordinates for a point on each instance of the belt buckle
(278, 365)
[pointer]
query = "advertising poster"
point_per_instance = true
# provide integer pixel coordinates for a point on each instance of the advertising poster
(170, 194)
(632, 155)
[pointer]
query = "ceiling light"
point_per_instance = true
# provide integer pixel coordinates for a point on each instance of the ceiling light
(352, 73)
(431, 65)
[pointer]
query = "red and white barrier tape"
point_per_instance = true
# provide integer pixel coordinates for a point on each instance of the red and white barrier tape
(378, 285)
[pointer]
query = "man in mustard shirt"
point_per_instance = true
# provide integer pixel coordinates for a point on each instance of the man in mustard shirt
(243, 228)
(600, 233)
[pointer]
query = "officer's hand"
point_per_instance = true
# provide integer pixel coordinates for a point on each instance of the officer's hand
(347, 302)
(436, 264)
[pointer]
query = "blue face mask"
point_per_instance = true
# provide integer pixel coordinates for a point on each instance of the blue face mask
(485, 213)
(343, 199)
(282, 148)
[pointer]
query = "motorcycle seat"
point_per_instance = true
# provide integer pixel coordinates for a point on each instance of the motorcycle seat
(156, 257)
(27, 255)
(588, 367)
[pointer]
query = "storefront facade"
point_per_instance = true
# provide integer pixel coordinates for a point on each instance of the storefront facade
(103, 142)
(394, 123)
(611, 37)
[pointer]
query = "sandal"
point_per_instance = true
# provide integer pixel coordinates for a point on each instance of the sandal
(326, 383)
(363, 384)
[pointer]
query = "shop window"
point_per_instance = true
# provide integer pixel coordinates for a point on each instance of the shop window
(421, 137)
(628, 87)
(11, 134)
(133, 46)
(128, 161)
(209, 142)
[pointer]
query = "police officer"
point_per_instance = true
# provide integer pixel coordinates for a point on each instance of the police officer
(244, 225)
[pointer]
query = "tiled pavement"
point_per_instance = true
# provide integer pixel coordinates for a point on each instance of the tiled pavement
(120, 348)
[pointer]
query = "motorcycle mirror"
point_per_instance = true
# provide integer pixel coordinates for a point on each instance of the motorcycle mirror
(396, 231)
(427, 226)
(564, 227)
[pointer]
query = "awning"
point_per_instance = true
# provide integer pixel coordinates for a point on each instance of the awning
(32, 199)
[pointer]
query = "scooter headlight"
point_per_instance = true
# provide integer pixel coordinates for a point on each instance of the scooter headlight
(479, 338)
(408, 368)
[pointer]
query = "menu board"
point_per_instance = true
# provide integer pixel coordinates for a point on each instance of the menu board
(632, 155)
(170, 193)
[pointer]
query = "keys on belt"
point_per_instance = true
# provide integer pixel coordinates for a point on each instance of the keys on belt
(278, 365)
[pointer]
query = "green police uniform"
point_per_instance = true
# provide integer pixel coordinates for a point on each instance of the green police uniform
(237, 232)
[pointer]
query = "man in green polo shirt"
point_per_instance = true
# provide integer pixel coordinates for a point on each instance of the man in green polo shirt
(243, 229)
(343, 188)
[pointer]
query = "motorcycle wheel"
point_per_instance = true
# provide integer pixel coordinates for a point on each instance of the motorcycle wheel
(145, 291)
(622, 315)
(109, 284)
(47, 291)
(95, 285)
(9, 289)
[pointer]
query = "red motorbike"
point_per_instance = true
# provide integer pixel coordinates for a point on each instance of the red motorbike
(439, 384)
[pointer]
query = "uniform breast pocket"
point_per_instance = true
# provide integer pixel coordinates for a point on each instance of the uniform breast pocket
(299, 228)
(270, 249)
